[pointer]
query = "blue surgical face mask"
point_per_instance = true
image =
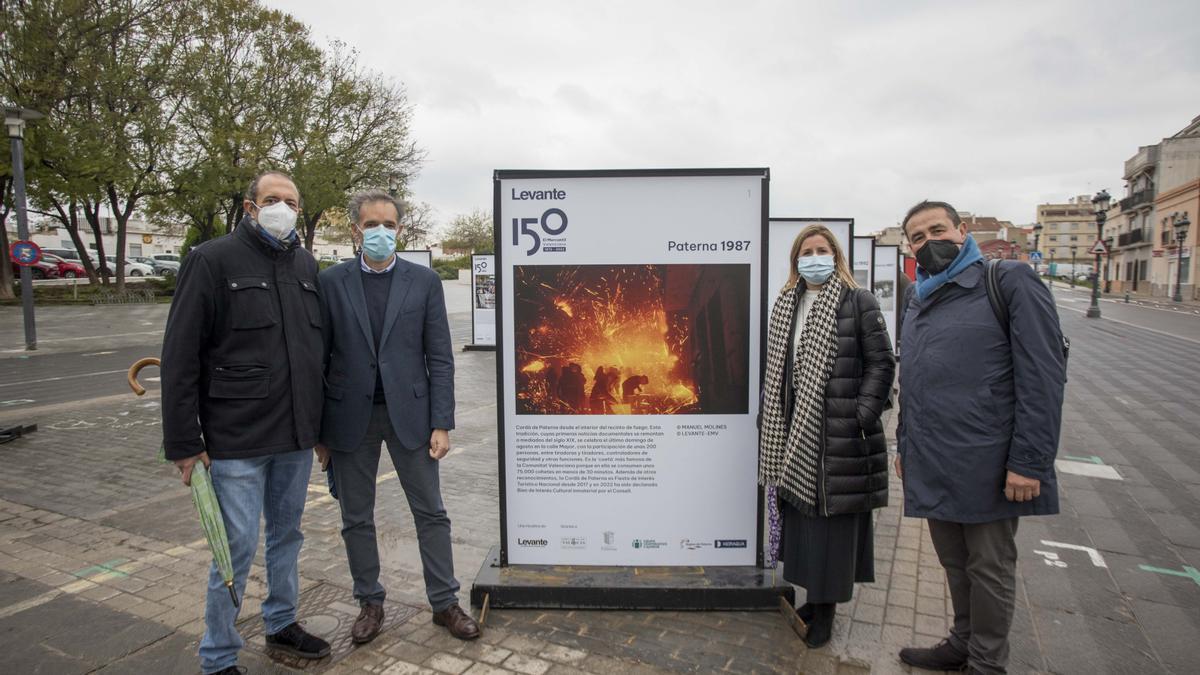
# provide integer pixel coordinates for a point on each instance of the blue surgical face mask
(379, 243)
(816, 269)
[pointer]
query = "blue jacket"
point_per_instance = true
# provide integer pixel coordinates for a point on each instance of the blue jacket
(415, 357)
(974, 405)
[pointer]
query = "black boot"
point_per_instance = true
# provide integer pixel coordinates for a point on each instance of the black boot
(805, 612)
(820, 629)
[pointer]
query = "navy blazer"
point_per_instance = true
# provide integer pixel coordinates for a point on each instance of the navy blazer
(415, 358)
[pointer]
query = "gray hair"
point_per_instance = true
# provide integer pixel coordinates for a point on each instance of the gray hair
(369, 196)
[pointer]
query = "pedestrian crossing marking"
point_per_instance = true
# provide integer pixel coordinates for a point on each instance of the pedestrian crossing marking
(1089, 469)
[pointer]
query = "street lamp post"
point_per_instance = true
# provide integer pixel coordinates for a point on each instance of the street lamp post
(1180, 224)
(1037, 240)
(1107, 263)
(14, 120)
(1100, 203)
(1073, 266)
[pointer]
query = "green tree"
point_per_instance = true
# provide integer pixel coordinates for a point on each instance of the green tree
(247, 67)
(470, 231)
(352, 133)
(418, 225)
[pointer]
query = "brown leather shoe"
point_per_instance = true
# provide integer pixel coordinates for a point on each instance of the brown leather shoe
(368, 623)
(458, 622)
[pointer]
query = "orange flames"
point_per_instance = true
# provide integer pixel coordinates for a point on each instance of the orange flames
(599, 317)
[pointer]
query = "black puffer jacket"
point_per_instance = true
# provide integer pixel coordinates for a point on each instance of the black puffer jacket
(852, 475)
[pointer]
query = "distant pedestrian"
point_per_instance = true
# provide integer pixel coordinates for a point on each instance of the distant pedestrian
(980, 413)
(821, 445)
(241, 389)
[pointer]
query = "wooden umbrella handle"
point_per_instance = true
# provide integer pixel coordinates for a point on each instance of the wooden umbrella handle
(136, 368)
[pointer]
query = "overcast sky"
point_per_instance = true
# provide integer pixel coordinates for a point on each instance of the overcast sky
(859, 109)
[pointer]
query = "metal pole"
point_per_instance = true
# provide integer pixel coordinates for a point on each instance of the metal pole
(1093, 311)
(1072, 267)
(18, 162)
(1179, 271)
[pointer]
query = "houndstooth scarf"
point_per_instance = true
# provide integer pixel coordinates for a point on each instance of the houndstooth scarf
(789, 450)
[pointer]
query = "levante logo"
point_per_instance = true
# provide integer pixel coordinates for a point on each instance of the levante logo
(546, 232)
(534, 543)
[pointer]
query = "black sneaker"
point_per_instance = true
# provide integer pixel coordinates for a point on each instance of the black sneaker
(231, 670)
(296, 641)
(942, 656)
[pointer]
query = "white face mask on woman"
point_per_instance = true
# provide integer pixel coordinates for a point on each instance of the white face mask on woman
(278, 219)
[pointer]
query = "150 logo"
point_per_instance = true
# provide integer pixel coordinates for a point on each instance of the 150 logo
(552, 223)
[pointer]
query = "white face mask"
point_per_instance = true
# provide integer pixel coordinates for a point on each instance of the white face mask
(278, 219)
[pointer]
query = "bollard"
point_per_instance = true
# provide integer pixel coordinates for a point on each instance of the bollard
(1127, 297)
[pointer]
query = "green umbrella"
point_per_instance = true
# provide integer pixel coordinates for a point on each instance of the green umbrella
(203, 497)
(205, 500)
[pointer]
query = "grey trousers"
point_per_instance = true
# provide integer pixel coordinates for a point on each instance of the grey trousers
(981, 567)
(354, 474)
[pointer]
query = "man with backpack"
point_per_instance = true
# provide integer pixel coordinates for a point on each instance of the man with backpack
(982, 373)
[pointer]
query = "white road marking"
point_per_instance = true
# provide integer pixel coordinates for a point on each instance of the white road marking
(1097, 559)
(1051, 559)
(15, 401)
(63, 377)
(1087, 469)
(97, 353)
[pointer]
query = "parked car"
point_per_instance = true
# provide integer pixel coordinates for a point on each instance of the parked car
(132, 269)
(42, 270)
(160, 267)
(166, 264)
(67, 269)
(68, 254)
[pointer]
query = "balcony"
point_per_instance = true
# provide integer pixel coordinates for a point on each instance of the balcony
(1146, 157)
(1137, 199)
(1133, 238)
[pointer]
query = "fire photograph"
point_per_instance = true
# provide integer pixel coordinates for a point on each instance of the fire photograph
(631, 339)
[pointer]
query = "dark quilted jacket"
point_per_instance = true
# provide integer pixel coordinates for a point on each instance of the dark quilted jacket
(853, 471)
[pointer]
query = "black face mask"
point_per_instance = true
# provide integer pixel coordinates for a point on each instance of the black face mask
(936, 255)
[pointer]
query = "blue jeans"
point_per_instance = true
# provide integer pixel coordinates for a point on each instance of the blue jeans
(274, 486)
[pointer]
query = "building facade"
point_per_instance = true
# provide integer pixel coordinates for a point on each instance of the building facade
(1162, 185)
(1067, 227)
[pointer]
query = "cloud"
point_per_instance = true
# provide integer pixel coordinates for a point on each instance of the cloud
(859, 109)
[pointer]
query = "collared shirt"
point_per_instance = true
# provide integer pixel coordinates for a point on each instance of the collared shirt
(367, 269)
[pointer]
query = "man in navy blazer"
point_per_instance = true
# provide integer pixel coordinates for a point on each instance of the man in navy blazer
(389, 378)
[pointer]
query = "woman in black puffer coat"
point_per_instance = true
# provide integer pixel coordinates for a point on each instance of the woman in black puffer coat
(822, 448)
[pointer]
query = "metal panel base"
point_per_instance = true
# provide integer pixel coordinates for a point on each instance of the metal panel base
(479, 348)
(646, 588)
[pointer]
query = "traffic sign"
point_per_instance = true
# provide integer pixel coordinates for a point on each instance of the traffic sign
(1099, 248)
(1036, 256)
(25, 253)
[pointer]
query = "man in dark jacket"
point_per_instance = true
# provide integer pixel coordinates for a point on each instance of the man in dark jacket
(241, 380)
(389, 365)
(980, 413)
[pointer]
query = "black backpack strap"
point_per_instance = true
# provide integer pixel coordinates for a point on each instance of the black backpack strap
(991, 281)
